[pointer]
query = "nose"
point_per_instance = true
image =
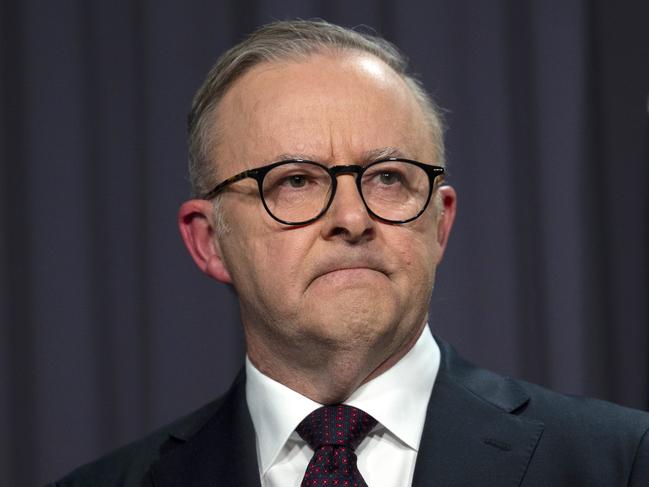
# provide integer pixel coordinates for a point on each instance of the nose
(347, 217)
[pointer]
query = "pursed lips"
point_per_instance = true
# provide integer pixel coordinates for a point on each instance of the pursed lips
(335, 265)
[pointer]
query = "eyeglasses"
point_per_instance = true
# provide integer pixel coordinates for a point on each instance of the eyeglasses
(298, 192)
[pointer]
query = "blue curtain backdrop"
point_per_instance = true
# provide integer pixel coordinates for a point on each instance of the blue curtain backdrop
(109, 331)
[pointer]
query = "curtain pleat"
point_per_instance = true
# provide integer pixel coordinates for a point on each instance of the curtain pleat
(109, 331)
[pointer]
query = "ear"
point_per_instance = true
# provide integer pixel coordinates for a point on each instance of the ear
(446, 214)
(196, 224)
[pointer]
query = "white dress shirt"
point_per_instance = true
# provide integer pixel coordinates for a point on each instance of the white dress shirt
(397, 399)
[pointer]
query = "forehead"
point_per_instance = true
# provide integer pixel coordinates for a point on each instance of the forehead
(329, 107)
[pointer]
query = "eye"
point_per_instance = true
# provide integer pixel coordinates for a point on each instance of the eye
(296, 178)
(388, 178)
(296, 181)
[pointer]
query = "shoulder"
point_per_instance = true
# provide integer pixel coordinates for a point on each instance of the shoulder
(129, 465)
(578, 413)
(582, 438)
(530, 400)
(588, 438)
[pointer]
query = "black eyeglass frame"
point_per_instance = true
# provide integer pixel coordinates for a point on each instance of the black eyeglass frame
(259, 173)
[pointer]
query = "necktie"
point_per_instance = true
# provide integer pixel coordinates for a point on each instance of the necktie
(334, 432)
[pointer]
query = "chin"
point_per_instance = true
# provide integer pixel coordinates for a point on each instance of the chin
(353, 323)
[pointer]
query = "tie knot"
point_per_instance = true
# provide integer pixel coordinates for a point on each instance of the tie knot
(336, 425)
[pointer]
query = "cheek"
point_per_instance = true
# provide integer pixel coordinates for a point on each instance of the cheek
(416, 249)
(417, 255)
(279, 259)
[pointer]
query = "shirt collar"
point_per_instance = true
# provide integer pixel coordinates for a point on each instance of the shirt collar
(397, 399)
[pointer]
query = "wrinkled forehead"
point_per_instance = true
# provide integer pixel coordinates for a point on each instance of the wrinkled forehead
(327, 107)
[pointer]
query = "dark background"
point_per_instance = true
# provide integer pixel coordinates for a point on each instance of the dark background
(108, 330)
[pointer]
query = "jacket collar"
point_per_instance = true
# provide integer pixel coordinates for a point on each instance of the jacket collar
(473, 434)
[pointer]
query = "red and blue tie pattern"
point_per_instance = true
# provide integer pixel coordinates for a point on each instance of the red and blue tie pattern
(334, 432)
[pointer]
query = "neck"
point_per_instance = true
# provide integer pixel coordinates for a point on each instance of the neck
(335, 374)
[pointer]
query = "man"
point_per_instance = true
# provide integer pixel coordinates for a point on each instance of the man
(317, 166)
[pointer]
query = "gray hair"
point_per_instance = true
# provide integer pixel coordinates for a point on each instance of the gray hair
(279, 41)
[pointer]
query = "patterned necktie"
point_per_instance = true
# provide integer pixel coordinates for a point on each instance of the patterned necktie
(334, 432)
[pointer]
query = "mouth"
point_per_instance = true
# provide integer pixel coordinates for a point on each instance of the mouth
(349, 276)
(349, 271)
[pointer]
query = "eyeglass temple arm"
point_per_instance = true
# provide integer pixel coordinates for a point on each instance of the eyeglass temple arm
(251, 173)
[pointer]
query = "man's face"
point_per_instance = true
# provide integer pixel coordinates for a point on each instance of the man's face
(346, 281)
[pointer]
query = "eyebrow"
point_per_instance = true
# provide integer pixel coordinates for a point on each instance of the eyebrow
(382, 153)
(367, 157)
(287, 156)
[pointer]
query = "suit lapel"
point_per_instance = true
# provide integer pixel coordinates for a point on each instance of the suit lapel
(472, 435)
(221, 452)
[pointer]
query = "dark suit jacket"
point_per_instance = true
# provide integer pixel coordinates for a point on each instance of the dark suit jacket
(481, 429)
